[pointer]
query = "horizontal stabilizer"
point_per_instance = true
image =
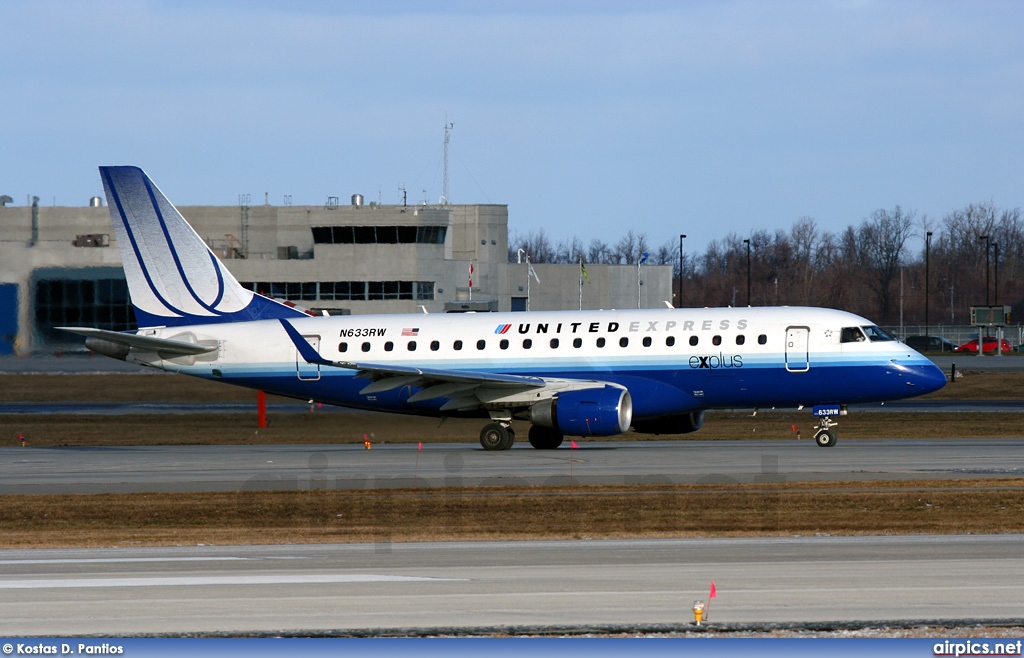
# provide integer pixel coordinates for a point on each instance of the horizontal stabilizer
(162, 346)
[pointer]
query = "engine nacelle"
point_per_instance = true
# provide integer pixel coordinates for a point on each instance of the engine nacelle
(682, 424)
(107, 348)
(604, 411)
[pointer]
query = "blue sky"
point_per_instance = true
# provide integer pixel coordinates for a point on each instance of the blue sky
(586, 118)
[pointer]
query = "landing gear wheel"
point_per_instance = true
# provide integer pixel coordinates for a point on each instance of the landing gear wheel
(495, 436)
(544, 438)
(825, 438)
(510, 441)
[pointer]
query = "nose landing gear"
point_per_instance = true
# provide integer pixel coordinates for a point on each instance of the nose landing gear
(824, 436)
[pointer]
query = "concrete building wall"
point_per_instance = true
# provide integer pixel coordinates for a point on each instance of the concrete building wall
(609, 286)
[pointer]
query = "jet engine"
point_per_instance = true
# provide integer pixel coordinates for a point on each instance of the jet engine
(598, 411)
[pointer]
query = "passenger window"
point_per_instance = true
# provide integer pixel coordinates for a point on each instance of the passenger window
(457, 345)
(577, 342)
(647, 341)
(342, 347)
(693, 341)
(366, 347)
(388, 346)
(740, 339)
(527, 343)
(480, 344)
(670, 341)
(503, 344)
(435, 346)
(851, 335)
(600, 342)
(762, 339)
(623, 342)
(554, 343)
(412, 346)
(717, 340)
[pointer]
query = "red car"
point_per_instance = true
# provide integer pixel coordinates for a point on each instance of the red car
(989, 345)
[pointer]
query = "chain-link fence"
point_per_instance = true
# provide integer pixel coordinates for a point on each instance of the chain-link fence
(960, 334)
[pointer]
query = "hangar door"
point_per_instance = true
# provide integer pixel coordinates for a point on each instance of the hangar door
(8, 317)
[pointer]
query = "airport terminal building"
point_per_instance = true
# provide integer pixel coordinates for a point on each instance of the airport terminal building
(60, 266)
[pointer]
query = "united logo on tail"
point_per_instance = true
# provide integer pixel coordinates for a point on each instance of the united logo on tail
(192, 285)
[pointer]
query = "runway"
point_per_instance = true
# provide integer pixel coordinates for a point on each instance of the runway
(634, 586)
(302, 467)
(628, 586)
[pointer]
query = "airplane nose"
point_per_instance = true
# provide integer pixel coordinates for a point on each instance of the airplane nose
(918, 378)
(927, 378)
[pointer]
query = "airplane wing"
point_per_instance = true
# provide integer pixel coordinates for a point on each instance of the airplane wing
(162, 346)
(466, 389)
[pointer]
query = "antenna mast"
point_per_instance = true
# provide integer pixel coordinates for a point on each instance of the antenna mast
(447, 137)
(243, 206)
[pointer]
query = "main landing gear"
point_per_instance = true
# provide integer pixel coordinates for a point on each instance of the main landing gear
(500, 436)
(497, 436)
(545, 438)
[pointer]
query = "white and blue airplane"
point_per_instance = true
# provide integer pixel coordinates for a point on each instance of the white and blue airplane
(576, 373)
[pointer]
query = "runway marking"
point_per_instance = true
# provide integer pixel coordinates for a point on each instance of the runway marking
(118, 560)
(186, 581)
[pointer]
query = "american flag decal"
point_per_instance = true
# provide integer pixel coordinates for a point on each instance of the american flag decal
(413, 331)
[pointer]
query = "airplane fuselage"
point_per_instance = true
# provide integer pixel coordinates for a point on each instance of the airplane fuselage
(671, 360)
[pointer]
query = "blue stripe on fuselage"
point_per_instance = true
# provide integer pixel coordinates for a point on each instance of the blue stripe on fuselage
(657, 391)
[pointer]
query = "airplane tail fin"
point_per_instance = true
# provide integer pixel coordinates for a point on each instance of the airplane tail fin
(173, 277)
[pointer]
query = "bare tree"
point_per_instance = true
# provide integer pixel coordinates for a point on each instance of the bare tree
(599, 252)
(666, 254)
(537, 245)
(569, 251)
(803, 241)
(629, 248)
(876, 249)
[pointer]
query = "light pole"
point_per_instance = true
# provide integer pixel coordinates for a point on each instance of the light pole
(747, 242)
(995, 276)
(995, 295)
(987, 300)
(679, 301)
(927, 250)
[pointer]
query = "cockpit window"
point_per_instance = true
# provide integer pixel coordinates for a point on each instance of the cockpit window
(852, 335)
(875, 334)
(861, 334)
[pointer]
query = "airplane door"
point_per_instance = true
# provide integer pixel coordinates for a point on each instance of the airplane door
(308, 372)
(797, 359)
